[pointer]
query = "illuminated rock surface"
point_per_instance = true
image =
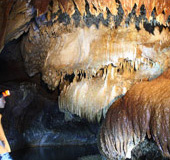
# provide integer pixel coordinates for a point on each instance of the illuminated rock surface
(143, 111)
(89, 53)
(73, 52)
(89, 48)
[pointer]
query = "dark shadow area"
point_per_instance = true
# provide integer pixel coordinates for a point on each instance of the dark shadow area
(11, 63)
(54, 153)
(147, 150)
(12, 69)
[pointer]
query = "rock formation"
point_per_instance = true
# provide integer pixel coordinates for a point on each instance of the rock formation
(14, 21)
(73, 43)
(142, 112)
(88, 52)
(31, 119)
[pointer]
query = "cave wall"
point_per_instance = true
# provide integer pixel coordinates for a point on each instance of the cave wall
(96, 46)
(30, 120)
(143, 113)
(31, 117)
(64, 60)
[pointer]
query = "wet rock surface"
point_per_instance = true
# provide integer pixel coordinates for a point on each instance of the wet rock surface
(53, 153)
(33, 120)
(147, 150)
(104, 46)
(32, 117)
(143, 111)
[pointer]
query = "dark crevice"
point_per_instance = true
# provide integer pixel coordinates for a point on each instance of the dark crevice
(64, 18)
(12, 7)
(94, 7)
(149, 27)
(51, 4)
(161, 27)
(69, 77)
(168, 19)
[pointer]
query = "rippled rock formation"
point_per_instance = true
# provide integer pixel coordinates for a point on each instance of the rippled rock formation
(142, 112)
(74, 47)
(88, 53)
(94, 44)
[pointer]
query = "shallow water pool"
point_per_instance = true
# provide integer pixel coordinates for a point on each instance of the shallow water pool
(54, 153)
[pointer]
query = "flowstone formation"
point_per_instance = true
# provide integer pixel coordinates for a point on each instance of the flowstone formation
(92, 52)
(142, 112)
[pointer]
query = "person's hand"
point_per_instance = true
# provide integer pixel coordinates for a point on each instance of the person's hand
(2, 102)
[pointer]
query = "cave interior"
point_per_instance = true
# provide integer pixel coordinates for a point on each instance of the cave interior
(90, 73)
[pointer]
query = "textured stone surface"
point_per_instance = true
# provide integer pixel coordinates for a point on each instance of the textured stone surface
(102, 6)
(89, 52)
(74, 43)
(92, 157)
(147, 150)
(33, 120)
(15, 20)
(143, 111)
(62, 152)
(85, 53)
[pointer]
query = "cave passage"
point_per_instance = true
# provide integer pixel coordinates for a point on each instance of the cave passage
(89, 79)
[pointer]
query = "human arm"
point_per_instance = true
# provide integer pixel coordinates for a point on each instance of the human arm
(3, 139)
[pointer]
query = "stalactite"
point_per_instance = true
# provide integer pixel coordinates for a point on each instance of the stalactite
(90, 98)
(100, 6)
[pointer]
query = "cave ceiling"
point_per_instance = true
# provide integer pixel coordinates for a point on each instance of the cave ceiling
(93, 51)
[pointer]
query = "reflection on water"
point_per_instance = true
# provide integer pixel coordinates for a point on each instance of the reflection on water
(54, 153)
